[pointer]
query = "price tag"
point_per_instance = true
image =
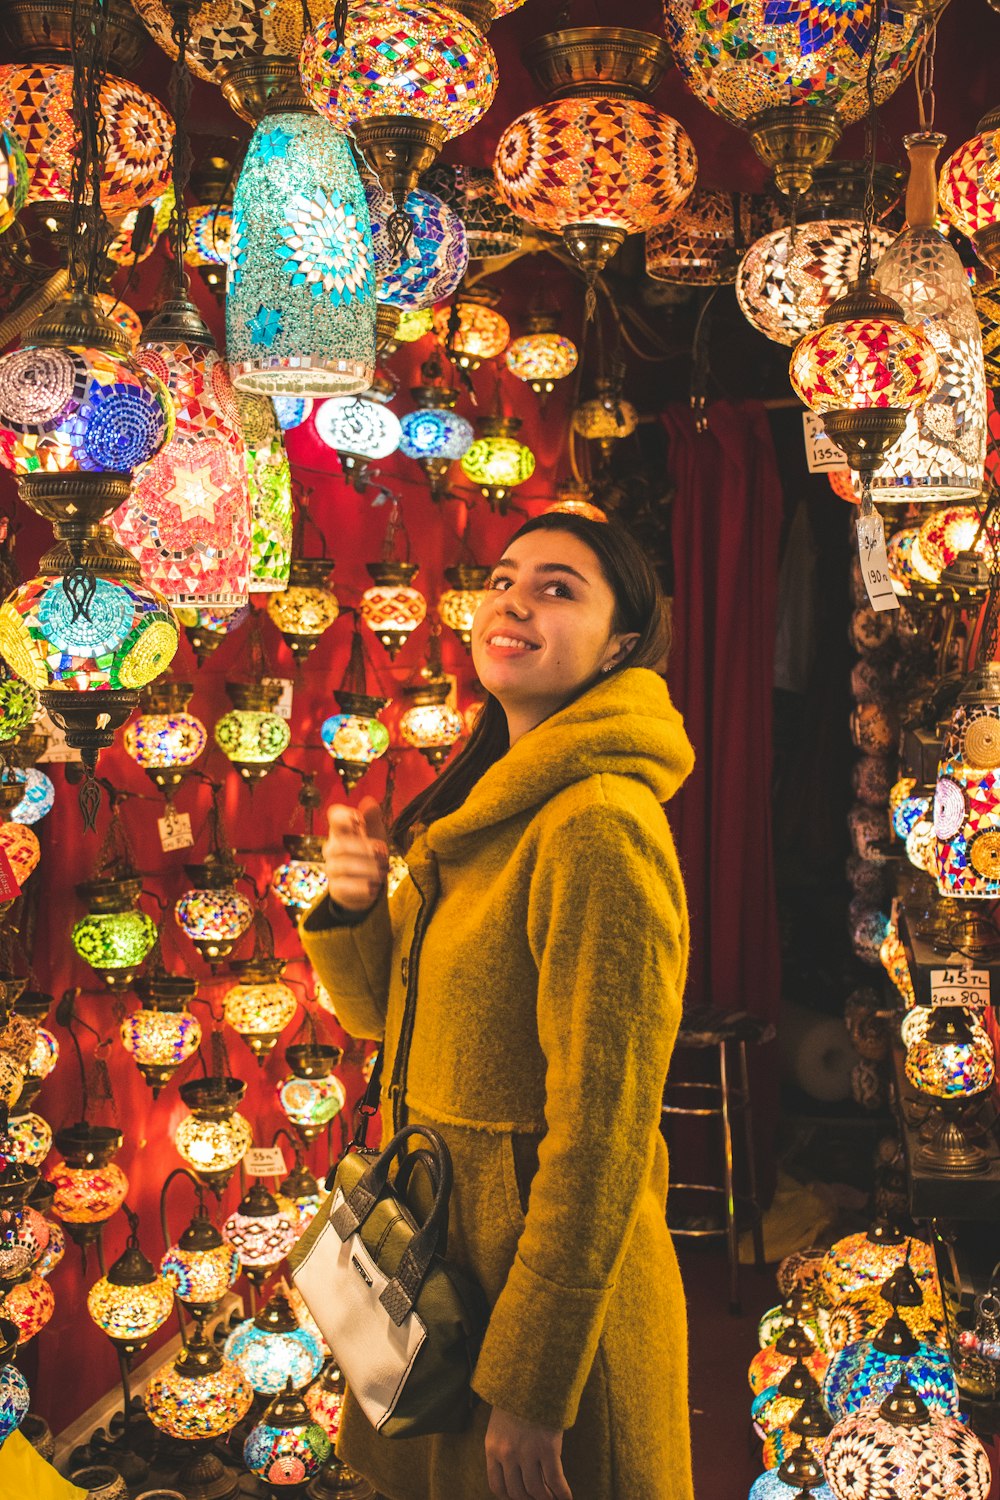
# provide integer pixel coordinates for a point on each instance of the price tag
(874, 563)
(56, 749)
(283, 707)
(175, 830)
(822, 454)
(264, 1161)
(9, 887)
(959, 985)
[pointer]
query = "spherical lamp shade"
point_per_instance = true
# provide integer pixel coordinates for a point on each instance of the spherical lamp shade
(863, 1312)
(115, 936)
(270, 481)
(770, 1486)
(812, 1318)
(418, 60)
(951, 1060)
(300, 295)
(775, 1360)
(301, 878)
(786, 282)
(391, 608)
(542, 356)
(271, 1357)
(969, 191)
(805, 69)
(458, 604)
(13, 178)
(124, 317)
(213, 1146)
(308, 607)
(597, 161)
(697, 244)
(127, 1309)
(198, 1396)
(160, 1040)
(360, 430)
(967, 793)
(15, 1397)
(606, 417)
(221, 34)
(287, 1446)
(260, 1231)
(944, 534)
(252, 735)
(30, 1138)
(471, 192)
(210, 228)
(430, 724)
(164, 738)
(78, 410)
(497, 461)
(29, 1305)
(18, 705)
(201, 1267)
(187, 520)
(434, 258)
(38, 799)
(292, 411)
(861, 1375)
(325, 1400)
(435, 433)
(88, 1194)
(355, 738)
(54, 1250)
(908, 1449)
(36, 103)
(311, 1103)
(481, 332)
(215, 915)
(867, 1259)
(863, 363)
(941, 452)
(261, 1005)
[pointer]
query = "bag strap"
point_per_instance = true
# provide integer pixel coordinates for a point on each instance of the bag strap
(403, 1289)
(401, 1184)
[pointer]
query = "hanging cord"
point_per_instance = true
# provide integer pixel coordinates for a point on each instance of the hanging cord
(98, 1087)
(87, 227)
(180, 103)
(871, 127)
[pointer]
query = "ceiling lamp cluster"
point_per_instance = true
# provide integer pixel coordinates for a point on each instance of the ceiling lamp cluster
(597, 161)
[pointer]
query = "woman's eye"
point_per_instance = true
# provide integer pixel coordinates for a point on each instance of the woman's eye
(496, 581)
(566, 593)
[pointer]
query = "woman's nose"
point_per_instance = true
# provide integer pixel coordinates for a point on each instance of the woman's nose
(509, 603)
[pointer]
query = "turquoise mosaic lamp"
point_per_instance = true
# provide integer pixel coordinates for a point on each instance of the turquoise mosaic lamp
(300, 295)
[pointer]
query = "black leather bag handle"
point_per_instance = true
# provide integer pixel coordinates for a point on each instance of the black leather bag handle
(402, 1291)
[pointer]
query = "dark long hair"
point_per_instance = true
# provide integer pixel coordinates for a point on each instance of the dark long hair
(639, 607)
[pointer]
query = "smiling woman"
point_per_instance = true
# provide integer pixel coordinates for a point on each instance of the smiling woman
(541, 859)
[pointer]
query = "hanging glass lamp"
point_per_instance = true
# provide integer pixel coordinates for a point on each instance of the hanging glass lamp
(115, 936)
(391, 608)
(306, 609)
(213, 1138)
(301, 878)
(355, 737)
(542, 356)
(165, 739)
(429, 723)
(434, 258)
(251, 735)
(435, 435)
(162, 1033)
(260, 1005)
(313, 1095)
(497, 461)
(458, 604)
(300, 294)
(472, 330)
(360, 430)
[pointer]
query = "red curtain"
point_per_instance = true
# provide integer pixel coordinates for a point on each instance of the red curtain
(725, 532)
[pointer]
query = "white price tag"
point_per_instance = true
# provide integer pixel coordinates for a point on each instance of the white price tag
(822, 453)
(283, 707)
(959, 985)
(874, 563)
(175, 831)
(264, 1161)
(56, 750)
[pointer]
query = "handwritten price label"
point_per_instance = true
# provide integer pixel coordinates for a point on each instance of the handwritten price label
(264, 1161)
(875, 563)
(9, 888)
(175, 831)
(56, 749)
(822, 454)
(283, 707)
(959, 985)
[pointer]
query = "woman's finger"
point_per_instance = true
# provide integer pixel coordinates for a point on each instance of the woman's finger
(495, 1479)
(554, 1478)
(514, 1480)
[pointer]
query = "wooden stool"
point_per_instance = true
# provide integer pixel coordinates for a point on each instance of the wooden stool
(727, 1034)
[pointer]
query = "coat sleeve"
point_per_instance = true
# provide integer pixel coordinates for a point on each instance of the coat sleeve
(607, 928)
(352, 955)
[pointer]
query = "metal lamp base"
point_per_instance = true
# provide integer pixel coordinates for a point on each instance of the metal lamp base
(337, 1482)
(865, 434)
(793, 142)
(207, 1478)
(949, 1150)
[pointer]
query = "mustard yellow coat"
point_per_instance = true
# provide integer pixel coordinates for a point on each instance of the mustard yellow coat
(547, 923)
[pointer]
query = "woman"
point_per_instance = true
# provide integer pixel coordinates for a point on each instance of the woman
(543, 932)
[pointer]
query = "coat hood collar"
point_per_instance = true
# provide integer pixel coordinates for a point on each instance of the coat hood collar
(625, 726)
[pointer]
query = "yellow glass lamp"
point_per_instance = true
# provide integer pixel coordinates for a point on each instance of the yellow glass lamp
(214, 913)
(200, 1268)
(260, 1005)
(162, 1033)
(870, 1258)
(542, 356)
(430, 724)
(458, 604)
(214, 1137)
(472, 330)
(775, 1360)
(131, 1302)
(198, 1396)
(308, 607)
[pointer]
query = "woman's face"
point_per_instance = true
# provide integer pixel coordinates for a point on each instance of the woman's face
(547, 593)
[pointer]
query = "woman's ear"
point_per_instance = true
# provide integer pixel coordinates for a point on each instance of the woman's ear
(625, 648)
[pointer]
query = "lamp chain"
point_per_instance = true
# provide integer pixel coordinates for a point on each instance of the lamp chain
(180, 102)
(871, 136)
(923, 77)
(86, 223)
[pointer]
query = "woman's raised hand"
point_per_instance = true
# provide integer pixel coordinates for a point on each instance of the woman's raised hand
(356, 854)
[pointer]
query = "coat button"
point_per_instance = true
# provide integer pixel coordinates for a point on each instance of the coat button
(404, 968)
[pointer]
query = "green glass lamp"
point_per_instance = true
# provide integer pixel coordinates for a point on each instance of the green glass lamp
(115, 936)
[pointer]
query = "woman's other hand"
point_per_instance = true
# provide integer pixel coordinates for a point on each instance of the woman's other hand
(356, 854)
(524, 1462)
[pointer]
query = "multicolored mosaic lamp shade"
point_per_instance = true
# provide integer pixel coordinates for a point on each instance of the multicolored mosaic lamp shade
(261, 1007)
(285, 1454)
(13, 178)
(741, 61)
(300, 294)
(36, 103)
(944, 534)
(862, 363)
(200, 1277)
(198, 1396)
(270, 480)
(482, 333)
(252, 738)
(164, 738)
(770, 1486)
(814, 1319)
(54, 1250)
(325, 1400)
(358, 428)
(863, 1312)
(210, 228)
(24, 1235)
(458, 604)
(401, 58)
(951, 1060)
(860, 1375)
(926, 1453)
(311, 1103)
(88, 1195)
(542, 356)
(969, 185)
(270, 1359)
(260, 1231)
(412, 326)
(130, 1313)
(435, 432)
(71, 409)
(967, 792)
(497, 461)
(30, 1138)
(301, 878)
(867, 1259)
(697, 246)
(471, 192)
(786, 282)
(941, 452)
(123, 316)
(223, 31)
(160, 1040)
(187, 520)
(15, 1395)
(115, 943)
(126, 637)
(30, 1304)
(436, 253)
(615, 162)
(359, 739)
(213, 1146)
(38, 799)
(215, 918)
(292, 411)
